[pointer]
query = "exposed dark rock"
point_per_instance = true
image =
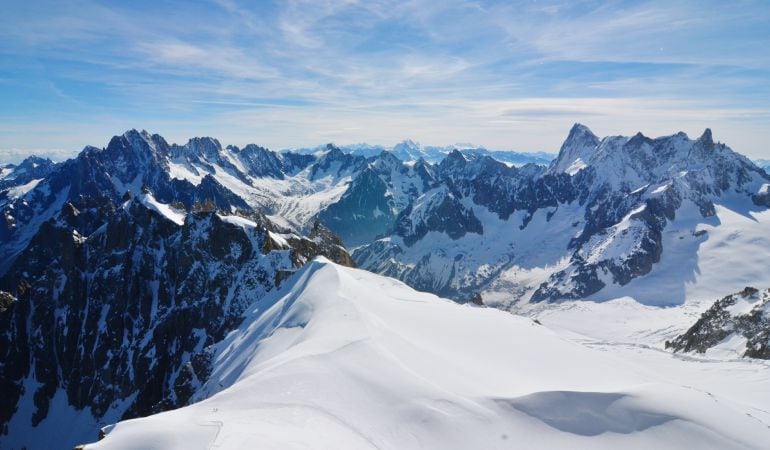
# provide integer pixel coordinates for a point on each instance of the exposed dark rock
(128, 311)
(441, 212)
(762, 198)
(6, 301)
(364, 211)
(294, 162)
(746, 314)
(320, 241)
(261, 162)
(336, 163)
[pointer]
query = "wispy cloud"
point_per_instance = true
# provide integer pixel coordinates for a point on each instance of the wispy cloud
(503, 74)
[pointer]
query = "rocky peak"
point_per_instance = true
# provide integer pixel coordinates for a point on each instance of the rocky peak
(626, 164)
(337, 163)
(31, 168)
(407, 150)
(333, 151)
(425, 170)
(487, 165)
(638, 140)
(706, 137)
(332, 155)
(437, 210)
(132, 151)
(455, 155)
(144, 141)
(292, 163)
(454, 163)
(576, 150)
(206, 148)
(261, 162)
(33, 162)
(581, 132)
(407, 144)
(386, 161)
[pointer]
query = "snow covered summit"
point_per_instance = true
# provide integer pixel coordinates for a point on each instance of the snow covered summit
(609, 217)
(342, 358)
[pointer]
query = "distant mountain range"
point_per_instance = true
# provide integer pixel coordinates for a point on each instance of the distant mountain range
(410, 151)
(119, 268)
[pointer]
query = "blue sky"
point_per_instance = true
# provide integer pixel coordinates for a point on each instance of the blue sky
(513, 75)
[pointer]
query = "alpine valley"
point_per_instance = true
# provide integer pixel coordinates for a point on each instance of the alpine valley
(189, 296)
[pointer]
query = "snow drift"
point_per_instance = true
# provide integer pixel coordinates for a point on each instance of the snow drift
(342, 358)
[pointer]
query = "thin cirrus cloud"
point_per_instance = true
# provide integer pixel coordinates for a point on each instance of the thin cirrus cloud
(299, 73)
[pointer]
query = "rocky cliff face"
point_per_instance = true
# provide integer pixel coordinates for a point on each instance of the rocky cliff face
(376, 198)
(98, 179)
(121, 319)
(364, 212)
(119, 276)
(739, 322)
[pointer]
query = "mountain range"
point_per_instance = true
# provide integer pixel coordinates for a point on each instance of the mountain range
(603, 214)
(410, 151)
(143, 276)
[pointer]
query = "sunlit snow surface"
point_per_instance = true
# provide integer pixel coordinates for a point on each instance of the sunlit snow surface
(703, 259)
(167, 211)
(293, 200)
(342, 358)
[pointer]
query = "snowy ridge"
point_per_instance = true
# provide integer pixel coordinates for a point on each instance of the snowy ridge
(340, 358)
(576, 150)
(763, 163)
(164, 210)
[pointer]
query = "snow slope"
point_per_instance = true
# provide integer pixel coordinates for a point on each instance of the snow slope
(292, 200)
(167, 211)
(705, 258)
(342, 358)
(702, 259)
